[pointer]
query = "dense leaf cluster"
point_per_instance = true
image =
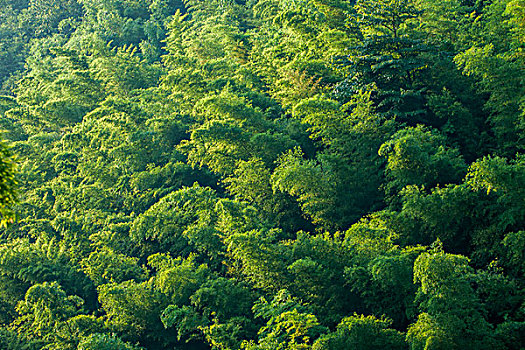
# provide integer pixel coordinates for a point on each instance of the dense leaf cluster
(262, 174)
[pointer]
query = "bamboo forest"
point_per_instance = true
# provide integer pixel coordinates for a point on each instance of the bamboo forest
(262, 174)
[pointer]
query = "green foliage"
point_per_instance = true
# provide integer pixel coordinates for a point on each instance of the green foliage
(173, 220)
(178, 278)
(416, 156)
(305, 180)
(504, 178)
(386, 284)
(220, 313)
(45, 310)
(453, 316)
(389, 55)
(106, 266)
(42, 262)
(496, 59)
(262, 174)
(362, 332)
(7, 183)
(513, 244)
(132, 309)
(104, 342)
(11, 341)
(251, 182)
(60, 88)
(124, 71)
(288, 326)
(333, 190)
(261, 261)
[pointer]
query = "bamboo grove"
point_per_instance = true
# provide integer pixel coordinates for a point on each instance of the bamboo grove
(262, 174)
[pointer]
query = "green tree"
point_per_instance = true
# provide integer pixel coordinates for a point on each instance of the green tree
(362, 332)
(289, 324)
(45, 310)
(60, 87)
(8, 183)
(390, 55)
(9, 340)
(133, 311)
(104, 342)
(452, 314)
(496, 60)
(106, 266)
(416, 156)
(342, 183)
(386, 284)
(174, 222)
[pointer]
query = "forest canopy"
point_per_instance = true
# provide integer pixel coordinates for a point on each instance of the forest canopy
(262, 174)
